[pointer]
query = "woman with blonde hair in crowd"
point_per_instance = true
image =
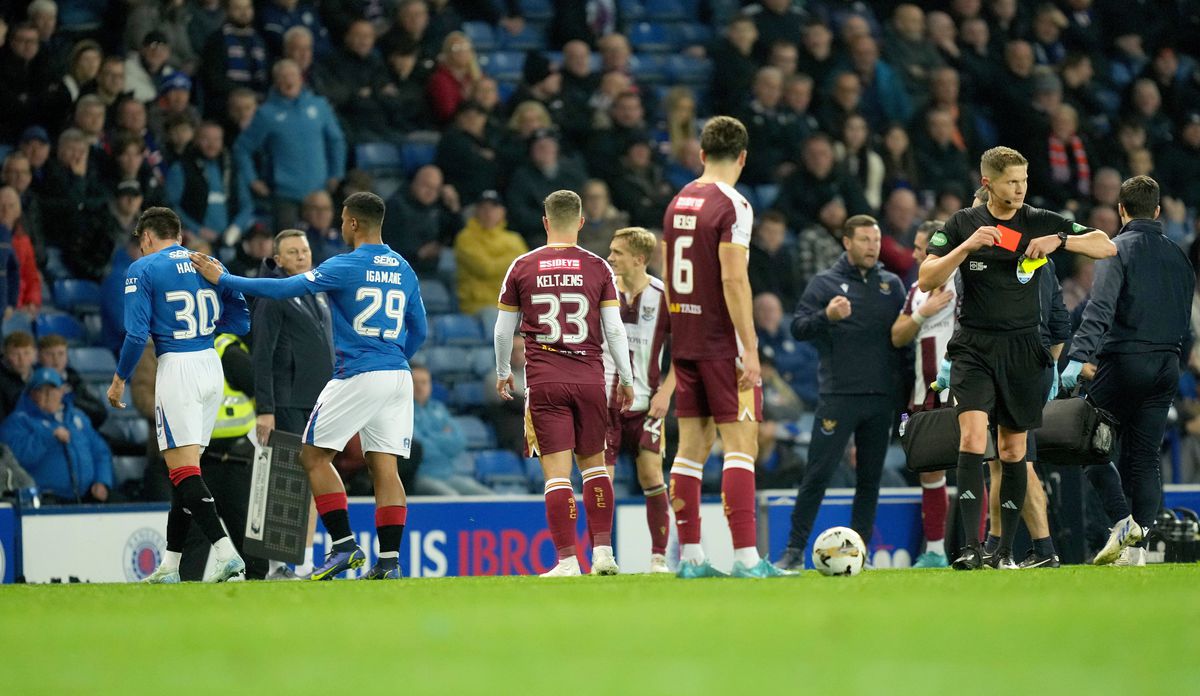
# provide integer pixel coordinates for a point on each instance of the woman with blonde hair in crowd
(680, 126)
(456, 72)
(528, 118)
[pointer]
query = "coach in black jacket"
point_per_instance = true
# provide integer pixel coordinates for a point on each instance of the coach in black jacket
(293, 345)
(1133, 330)
(847, 313)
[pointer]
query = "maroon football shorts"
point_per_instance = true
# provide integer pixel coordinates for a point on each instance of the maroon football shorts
(561, 416)
(709, 389)
(631, 432)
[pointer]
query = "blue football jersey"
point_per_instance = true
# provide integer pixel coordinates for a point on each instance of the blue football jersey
(378, 316)
(167, 300)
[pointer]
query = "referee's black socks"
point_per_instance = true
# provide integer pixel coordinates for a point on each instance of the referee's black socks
(1012, 499)
(970, 494)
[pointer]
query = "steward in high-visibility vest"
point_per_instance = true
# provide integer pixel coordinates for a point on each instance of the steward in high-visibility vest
(236, 417)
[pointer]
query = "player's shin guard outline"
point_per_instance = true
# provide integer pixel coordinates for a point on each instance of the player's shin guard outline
(561, 515)
(598, 502)
(686, 476)
(737, 498)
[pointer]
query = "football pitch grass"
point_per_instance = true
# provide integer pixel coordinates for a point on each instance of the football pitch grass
(1077, 630)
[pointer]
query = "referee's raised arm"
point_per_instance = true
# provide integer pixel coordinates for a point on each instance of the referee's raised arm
(936, 270)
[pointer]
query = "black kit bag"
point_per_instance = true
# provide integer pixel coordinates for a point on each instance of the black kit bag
(1075, 432)
(930, 441)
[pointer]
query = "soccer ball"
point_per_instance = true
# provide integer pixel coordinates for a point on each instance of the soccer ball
(839, 551)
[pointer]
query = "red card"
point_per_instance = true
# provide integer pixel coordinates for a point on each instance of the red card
(1009, 238)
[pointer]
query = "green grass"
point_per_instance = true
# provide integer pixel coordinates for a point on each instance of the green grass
(1079, 630)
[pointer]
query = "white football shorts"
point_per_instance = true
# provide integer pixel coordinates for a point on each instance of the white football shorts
(377, 405)
(188, 390)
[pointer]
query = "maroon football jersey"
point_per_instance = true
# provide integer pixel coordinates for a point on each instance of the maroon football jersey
(699, 220)
(559, 291)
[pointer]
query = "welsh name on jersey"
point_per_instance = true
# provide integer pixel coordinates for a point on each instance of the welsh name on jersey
(646, 326)
(701, 218)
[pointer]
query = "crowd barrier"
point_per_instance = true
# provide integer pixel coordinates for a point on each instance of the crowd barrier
(444, 537)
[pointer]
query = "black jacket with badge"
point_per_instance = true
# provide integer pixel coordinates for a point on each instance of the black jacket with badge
(998, 295)
(857, 356)
(1141, 298)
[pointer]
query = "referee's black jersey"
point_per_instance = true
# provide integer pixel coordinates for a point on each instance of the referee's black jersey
(997, 296)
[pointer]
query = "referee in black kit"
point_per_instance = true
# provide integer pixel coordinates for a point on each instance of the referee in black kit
(999, 362)
(1134, 327)
(847, 312)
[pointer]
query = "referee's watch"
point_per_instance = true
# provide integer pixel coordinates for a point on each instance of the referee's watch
(1062, 239)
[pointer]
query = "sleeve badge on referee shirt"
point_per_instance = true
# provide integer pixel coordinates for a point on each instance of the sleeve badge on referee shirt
(828, 425)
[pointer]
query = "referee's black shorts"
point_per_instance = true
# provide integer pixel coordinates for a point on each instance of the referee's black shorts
(1002, 374)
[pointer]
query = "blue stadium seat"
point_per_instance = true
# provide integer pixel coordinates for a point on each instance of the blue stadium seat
(92, 363)
(417, 154)
(506, 89)
(439, 392)
(477, 434)
(653, 38)
(457, 330)
(537, 9)
(76, 295)
(467, 395)
(502, 65)
(533, 472)
(437, 297)
(64, 325)
(487, 319)
(495, 466)
(691, 34)
(530, 38)
(449, 364)
(128, 469)
(648, 68)
(19, 321)
(666, 10)
(378, 158)
(125, 428)
(483, 361)
(631, 10)
(480, 34)
(690, 70)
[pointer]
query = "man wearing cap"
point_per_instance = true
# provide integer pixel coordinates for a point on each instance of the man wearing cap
(467, 155)
(483, 251)
(35, 145)
(145, 69)
(540, 82)
(57, 444)
(532, 182)
(208, 190)
(174, 99)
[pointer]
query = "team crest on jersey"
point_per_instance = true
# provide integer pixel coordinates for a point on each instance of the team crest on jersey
(828, 425)
(648, 312)
(885, 289)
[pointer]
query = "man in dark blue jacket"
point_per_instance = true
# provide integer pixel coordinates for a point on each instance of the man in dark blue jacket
(57, 444)
(1133, 330)
(847, 313)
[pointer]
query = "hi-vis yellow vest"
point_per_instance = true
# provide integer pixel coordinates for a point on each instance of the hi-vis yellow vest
(236, 417)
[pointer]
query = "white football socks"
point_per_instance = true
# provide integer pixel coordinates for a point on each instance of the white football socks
(747, 556)
(938, 546)
(692, 552)
(170, 560)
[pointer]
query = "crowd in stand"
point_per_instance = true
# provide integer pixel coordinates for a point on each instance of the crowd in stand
(249, 117)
